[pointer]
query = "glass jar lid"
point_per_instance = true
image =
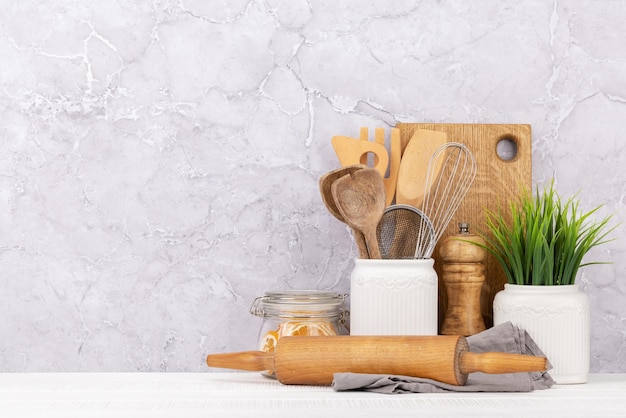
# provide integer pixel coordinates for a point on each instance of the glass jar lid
(298, 304)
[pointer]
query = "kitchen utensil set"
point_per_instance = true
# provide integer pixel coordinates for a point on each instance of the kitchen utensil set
(427, 177)
(428, 181)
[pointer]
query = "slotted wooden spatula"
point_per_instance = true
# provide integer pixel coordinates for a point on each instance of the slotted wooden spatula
(350, 151)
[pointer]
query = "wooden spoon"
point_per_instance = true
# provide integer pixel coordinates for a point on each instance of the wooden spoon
(414, 166)
(360, 198)
(326, 182)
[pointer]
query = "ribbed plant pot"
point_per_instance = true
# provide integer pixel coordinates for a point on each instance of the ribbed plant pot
(557, 318)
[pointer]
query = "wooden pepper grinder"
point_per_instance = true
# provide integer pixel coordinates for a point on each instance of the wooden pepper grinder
(463, 273)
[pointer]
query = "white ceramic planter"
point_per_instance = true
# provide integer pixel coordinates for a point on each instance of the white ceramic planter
(393, 297)
(557, 318)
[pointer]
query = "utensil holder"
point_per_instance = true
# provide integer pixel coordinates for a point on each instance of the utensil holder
(393, 297)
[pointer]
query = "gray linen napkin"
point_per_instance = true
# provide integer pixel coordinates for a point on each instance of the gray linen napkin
(503, 338)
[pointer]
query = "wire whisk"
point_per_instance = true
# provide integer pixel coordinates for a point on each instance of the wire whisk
(444, 191)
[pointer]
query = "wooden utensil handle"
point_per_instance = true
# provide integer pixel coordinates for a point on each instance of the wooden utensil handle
(499, 363)
(359, 238)
(244, 360)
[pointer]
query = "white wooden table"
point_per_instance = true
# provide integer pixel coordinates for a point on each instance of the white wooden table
(208, 394)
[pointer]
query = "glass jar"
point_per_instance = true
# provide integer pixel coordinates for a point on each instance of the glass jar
(298, 313)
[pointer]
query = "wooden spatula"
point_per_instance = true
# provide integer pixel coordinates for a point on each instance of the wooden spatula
(413, 171)
(314, 360)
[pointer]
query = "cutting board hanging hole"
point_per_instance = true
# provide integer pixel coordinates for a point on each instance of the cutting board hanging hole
(506, 148)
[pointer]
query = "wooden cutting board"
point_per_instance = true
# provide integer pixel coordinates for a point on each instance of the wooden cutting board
(498, 180)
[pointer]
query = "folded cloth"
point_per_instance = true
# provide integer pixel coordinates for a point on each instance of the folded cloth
(502, 338)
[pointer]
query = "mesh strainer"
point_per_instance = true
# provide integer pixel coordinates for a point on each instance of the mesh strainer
(401, 230)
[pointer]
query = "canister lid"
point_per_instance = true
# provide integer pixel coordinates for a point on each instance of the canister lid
(298, 303)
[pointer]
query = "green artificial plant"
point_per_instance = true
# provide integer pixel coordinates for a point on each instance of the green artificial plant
(546, 238)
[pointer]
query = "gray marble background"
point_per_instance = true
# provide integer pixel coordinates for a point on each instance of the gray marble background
(160, 159)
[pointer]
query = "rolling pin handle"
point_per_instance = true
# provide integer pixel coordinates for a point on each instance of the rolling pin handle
(254, 361)
(499, 363)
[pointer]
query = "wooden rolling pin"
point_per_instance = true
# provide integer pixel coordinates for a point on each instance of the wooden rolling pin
(314, 360)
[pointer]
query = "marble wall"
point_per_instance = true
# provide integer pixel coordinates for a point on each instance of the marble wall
(160, 159)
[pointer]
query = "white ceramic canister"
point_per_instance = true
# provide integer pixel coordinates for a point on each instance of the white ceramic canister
(393, 297)
(557, 318)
